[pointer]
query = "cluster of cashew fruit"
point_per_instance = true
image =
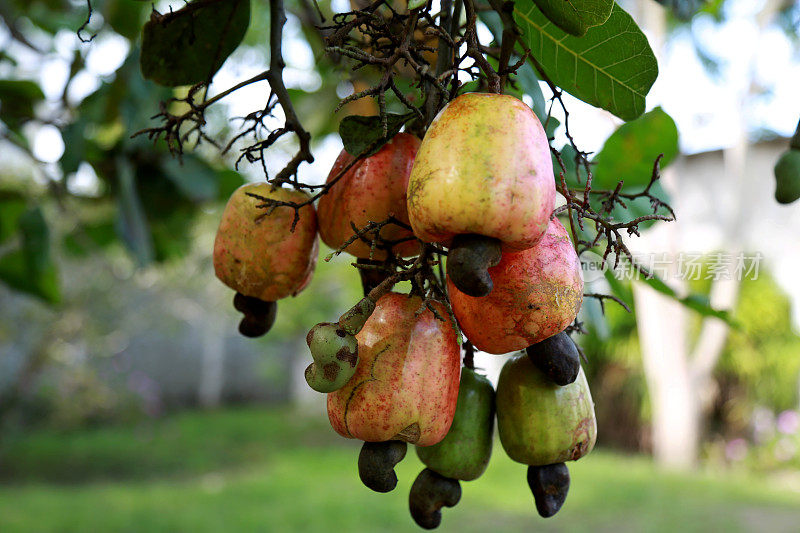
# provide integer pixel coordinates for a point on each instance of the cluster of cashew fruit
(480, 184)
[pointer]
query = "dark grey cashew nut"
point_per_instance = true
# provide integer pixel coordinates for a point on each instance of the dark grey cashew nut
(549, 485)
(429, 493)
(259, 315)
(469, 260)
(376, 464)
(557, 357)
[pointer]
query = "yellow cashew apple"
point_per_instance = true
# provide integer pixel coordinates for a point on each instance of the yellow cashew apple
(483, 168)
(257, 254)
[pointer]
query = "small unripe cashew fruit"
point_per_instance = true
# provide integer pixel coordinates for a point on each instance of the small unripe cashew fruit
(335, 354)
(557, 357)
(376, 463)
(787, 177)
(429, 493)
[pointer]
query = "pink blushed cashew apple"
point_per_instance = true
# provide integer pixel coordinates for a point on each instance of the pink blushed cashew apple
(537, 294)
(370, 191)
(482, 182)
(406, 384)
(257, 254)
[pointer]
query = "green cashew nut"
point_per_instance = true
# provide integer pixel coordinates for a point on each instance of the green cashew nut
(335, 354)
(354, 318)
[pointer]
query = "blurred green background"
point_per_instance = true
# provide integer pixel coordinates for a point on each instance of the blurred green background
(128, 402)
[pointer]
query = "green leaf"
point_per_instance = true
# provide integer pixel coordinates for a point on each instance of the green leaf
(88, 237)
(359, 133)
(529, 84)
(576, 16)
(35, 239)
(526, 76)
(629, 153)
(29, 268)
(132, 223)
(229, 181)
(124, 17)
(188, 46)
(640, 206)
(17, 98)
(12, 205)
(611, 67)
(695, 302)
(193, 177)
(571, 169)
(16, 273)
(414, 4)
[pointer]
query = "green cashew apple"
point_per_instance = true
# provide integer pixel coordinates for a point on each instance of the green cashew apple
(539, 422)
(482, 180)
(542, 425)
(257, 254)
(787, 177)
(537, 294)
(371, 190)
(465, 451)
(405, 386)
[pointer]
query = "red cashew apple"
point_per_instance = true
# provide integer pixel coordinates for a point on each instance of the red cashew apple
(371, 190)
(484, 167)
(257, 254)
(406, 383)
(537, 293)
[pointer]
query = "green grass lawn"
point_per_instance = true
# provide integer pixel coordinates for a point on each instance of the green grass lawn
(274, 470)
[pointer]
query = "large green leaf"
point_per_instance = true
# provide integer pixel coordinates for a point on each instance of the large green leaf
(189, 45)
(576, 16)
(611, 67)
(629, 153)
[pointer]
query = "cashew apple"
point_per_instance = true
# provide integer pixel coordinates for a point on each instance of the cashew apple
(539, 422)
(465, 451)
(483, 170)
(787, 177)
(256, 253)
(537, 293)
(371, 190)
(406, 384)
